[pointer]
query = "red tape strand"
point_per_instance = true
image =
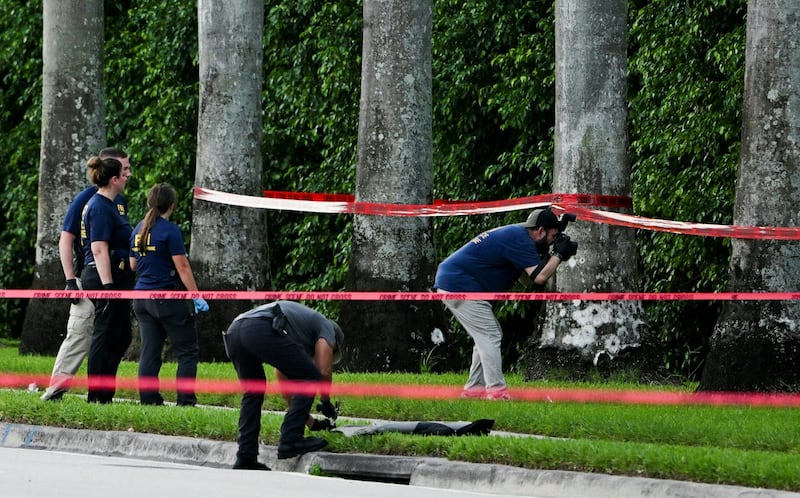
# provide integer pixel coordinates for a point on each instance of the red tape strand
(342, 203)
(346, 204)
(572, 203)
(418, 391)
(611, 201)
(701, 229)
(402, 296)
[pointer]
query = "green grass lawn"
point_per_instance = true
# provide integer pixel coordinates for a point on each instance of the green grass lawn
(742, 445)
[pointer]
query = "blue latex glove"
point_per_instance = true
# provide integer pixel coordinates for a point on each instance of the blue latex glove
(200, 305)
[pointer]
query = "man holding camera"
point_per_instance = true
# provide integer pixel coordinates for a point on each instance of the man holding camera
(492, 262)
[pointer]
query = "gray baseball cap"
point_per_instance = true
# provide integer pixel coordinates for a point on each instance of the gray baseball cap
(542, 218)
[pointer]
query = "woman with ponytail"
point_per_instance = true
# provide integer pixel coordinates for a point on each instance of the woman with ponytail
(158, 256)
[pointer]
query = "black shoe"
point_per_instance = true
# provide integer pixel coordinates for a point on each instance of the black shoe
(152, 403)
(151, 399)
(56, 396)
(254, 465)
(300, 446)
(100, 401)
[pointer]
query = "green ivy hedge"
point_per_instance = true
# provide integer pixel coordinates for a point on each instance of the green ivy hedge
(493, 74)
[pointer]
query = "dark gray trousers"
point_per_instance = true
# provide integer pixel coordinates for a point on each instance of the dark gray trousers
(251, 343)
(160, 319)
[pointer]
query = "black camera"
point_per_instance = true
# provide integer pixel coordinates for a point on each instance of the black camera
(564, 247)
(564, 219)
(562, 238)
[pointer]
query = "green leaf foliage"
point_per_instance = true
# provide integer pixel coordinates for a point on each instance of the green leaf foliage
(312, 53)
(20, 123)
(686, 77)
(493, 97)
(152, 93)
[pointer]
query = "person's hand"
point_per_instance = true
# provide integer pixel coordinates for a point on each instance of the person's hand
(101, 305)
(564, 248)
(328, 409)
(322, 425)
(72, 285)
(200, 305)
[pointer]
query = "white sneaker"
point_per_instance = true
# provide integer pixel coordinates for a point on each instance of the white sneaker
(54, 395)
(473, 393)
(499, 394)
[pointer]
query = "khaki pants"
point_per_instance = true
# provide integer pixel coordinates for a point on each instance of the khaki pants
(477, 318)
(74, 348)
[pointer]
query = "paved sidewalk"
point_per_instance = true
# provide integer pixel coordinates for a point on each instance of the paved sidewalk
(432, 472)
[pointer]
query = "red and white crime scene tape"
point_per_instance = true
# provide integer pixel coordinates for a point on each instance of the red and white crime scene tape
(400, 296)
(570, 203)
(701, 229)
(577, 204)
(611, 201)
(553, 395)
(346, 204)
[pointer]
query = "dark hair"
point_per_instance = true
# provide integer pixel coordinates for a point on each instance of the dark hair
(159, 199)
(101, 171)
(112, 152)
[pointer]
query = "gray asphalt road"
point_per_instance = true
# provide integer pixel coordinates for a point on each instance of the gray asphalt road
(31, 473)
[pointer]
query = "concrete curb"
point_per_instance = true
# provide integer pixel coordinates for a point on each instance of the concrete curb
(418, 471)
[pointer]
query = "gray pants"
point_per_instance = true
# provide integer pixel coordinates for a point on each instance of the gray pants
(480, 323)
(74, 348)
